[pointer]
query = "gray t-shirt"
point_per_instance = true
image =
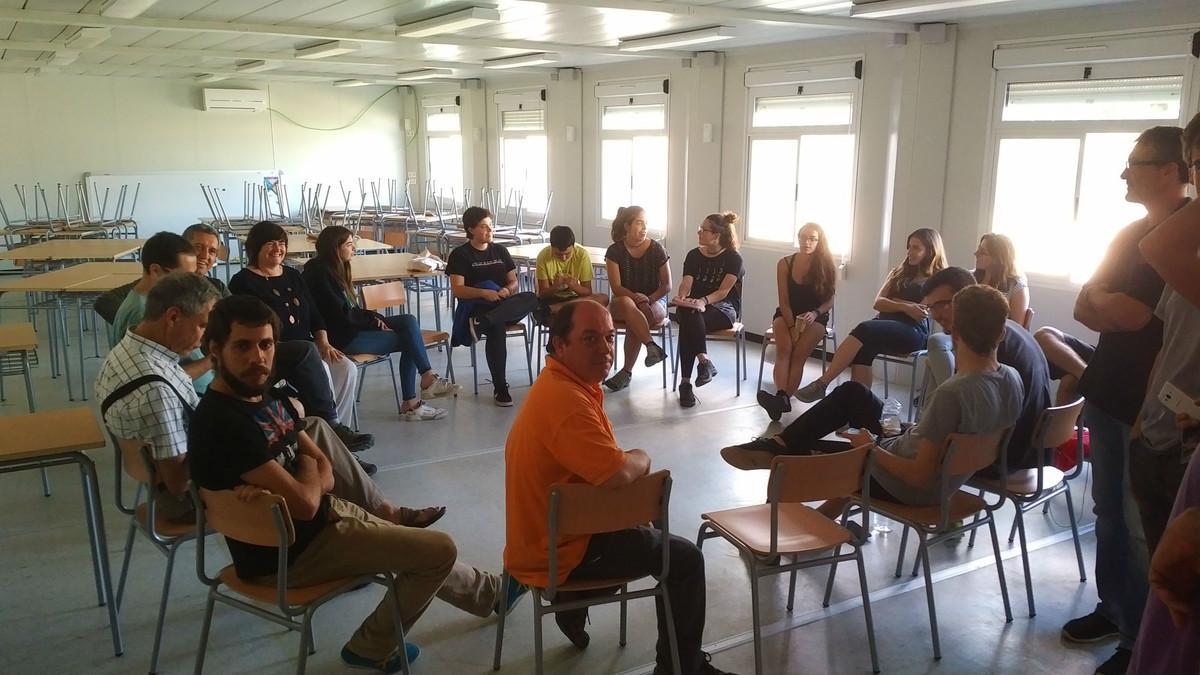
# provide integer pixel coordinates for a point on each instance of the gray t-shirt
(1179, 364)
(968, 403)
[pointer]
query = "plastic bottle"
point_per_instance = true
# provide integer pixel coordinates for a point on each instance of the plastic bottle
(889, 420)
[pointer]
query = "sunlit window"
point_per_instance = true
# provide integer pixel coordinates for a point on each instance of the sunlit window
(633, 158)
(445, 153)
(523, 158)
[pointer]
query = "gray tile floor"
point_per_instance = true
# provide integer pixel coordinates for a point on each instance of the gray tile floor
(49, 621)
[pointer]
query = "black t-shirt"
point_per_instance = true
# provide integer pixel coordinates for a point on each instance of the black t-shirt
(639, 275)
(1020, 351)
(1116, 375)
(229, 437)
(708, 273)
(475, 266)
(288, 295)
(912, 290)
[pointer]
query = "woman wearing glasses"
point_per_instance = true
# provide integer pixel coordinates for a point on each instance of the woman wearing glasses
(709, 298)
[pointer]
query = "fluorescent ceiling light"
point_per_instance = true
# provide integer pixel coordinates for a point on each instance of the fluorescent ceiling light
(536, 59)
(449, 23)
(886, 8)
(125, 9)
(88, 36)
(325, 49)
(425, 74)
(690, 37)
(351, 83)
(254, 66)
(209, 77)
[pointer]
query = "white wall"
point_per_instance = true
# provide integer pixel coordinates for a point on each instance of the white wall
(55, 128)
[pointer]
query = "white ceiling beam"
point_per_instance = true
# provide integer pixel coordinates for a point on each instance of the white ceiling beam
(188, 73)
(386, 35)
(754, 15)
(231, 55)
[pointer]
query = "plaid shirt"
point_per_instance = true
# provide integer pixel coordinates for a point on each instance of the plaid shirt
(152, 413)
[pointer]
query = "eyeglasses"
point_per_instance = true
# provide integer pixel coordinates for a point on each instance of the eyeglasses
(702, 229)
(940, 304)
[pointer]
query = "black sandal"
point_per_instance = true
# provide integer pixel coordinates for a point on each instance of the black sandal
(421, 517)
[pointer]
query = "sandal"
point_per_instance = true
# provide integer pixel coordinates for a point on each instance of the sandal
(420, 517)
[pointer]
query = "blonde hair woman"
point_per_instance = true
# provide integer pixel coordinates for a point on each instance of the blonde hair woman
(996, 266)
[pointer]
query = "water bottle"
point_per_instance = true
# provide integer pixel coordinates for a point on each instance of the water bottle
(889, 420)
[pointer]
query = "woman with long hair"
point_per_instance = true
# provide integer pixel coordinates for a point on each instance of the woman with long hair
(805, 283)
(640, 279)
(709, 298)
(356, 330)
(996, 266)
(902, 325)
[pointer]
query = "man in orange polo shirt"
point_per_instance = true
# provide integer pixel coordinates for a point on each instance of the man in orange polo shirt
(562, 435)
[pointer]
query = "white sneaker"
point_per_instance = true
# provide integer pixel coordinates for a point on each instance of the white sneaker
(423, 413)
(441, 387)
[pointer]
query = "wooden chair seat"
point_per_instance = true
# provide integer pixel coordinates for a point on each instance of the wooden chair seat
(162, 526)
(733, 332)
(433, 337)
(302, 595)
(1022, 483)
(365, 359)
(801, 528)
(962, 505)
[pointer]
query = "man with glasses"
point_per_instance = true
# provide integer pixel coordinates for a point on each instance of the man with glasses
(1118, 303)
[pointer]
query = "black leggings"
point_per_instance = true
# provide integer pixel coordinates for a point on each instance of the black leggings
(887, 336)
(693, 326)
(849, 403)
(493, 323)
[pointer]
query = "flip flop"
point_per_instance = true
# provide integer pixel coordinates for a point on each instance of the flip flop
(421, 517)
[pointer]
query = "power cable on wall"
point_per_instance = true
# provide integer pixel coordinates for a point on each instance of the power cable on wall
(347, 125)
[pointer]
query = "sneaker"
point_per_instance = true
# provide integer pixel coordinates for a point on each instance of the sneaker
(572, 623)
(422, 413)
(813, 391)
(1094, 627)
(367, 467)
(503, 398)
(516, 591)
(355, 441)
(1116, 664)
(392, 664)
(441, 387)
(654, 354)
(687, 398)
(757, 454)
(619, 381)
(425, 517)
(770, 402)
(705, 372)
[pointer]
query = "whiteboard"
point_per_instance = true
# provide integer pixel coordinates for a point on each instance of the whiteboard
(172, 200)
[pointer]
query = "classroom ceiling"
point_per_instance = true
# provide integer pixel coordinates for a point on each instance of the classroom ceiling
(194, 38)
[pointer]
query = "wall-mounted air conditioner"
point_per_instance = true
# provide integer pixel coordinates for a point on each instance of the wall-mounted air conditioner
(248, 100)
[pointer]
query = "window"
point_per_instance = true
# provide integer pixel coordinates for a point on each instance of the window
(523, 155)
(802, 147)
(444, 147)
(633, 150)
(1060, 139)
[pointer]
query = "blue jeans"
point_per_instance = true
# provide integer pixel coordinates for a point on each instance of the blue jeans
(1121, 557)
(404, 337)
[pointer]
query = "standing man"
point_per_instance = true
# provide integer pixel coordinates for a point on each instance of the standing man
(562, 435)
(1118, 302)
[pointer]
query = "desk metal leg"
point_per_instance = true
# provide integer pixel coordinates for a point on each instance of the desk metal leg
(90, 516)
(29, 403)
(82, 370)
(95, 513)
(66, 348)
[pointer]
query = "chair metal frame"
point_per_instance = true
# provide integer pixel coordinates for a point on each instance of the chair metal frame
(758, 566)
(276, 509)
(613, 519)
(735, 334)
(911, 360)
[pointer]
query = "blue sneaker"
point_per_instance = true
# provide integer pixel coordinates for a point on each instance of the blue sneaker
(516, 591)
(392, 664)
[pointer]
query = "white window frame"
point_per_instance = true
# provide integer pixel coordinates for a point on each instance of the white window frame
(648, 91)
(1103, 57)
(815, 78)
(521, 99)
(440, 104)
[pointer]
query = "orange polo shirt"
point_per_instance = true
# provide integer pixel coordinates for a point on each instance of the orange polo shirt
(561, 435)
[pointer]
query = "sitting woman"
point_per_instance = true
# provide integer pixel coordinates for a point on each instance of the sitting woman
(640, 279)
(995, 266)
(708, 299)
(806, 281)
(355, 330)
(483, 278)
(282, 288)
(902, 325)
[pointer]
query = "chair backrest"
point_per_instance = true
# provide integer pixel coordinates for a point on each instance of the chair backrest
(967, 453)
(133, 461)
(382, 296)
(396, 238)
(1056, 425)
(1028, 320)
(251, 522)
(807, 478)
(580, 508)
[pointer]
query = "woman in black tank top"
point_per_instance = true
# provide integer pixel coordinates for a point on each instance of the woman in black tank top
(806, 281)
(902, 325)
